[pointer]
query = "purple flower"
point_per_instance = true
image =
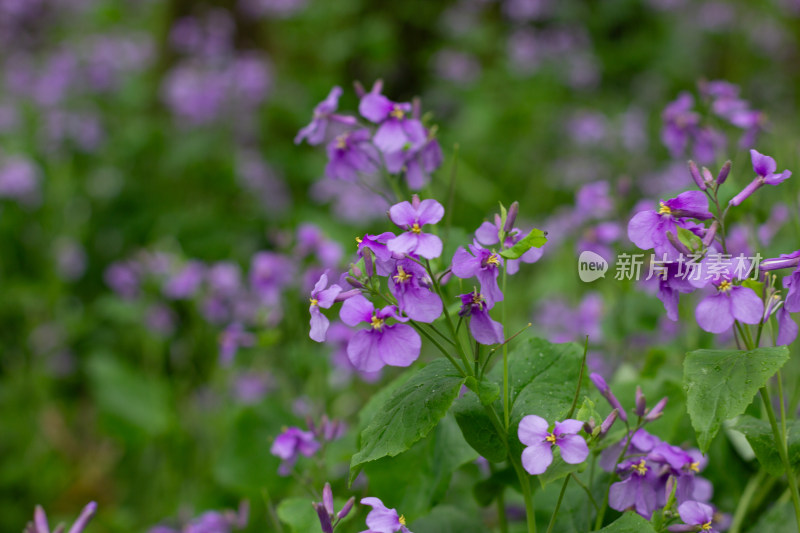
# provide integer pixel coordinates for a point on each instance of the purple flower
(417, 164)
(648, 229)
(764, 166)
(488, 234)
(717, 312)
(224, 278)
(230, 340)
(483, 328)
(370, 349)
(321, 297)
(695, 514)
(269, 274)
(412, 216)
(484, 265)
(638, 491)
(410, 284)
(351, 154)
(314, 133)
(397, 132)
(40, 524)
(679, 123)
(292, 443)
(185, 283)
(383, 520)
(376, 246)
(533, 432)
(124, 279)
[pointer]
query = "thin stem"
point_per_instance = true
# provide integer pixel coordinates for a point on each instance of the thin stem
(501, 512)
(782, 410)
(558, 504)
(780, 443)
(506, 399)
(271, 510)
(449, 320)
(744, 503)
(586, 490)
(441, 348)
(580, 379)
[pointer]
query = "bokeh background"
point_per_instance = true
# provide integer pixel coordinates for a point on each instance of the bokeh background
(147, 157)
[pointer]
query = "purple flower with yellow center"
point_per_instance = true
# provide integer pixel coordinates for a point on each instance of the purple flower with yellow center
(350, 154)
(648, 229)
(483, 328)
(638, 490)
(717, 312)
(40, 524)
(696, 516)
(534, 433)
(324, 113)
(488, 234)
(321, 297)
(482, 264)
(381, 344)
(292, 443)
(410, 284)
(412, 216)
(383, 520)
(397, 131)
(764, 166)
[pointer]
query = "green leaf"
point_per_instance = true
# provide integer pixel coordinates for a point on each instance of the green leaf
(759, 435)
(409, 414)
(629, 523)
(416, 480)
(503, 215)
(535, 239)
(487, 391)
(478, 430)
(778, 519)
(486, 490)
(558, 469)
(298, 514)
(689, 239)
(720, 384)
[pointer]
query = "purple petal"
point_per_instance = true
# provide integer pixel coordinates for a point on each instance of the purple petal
(623, 494)
(464, 264)
(326, 298)
(356, 310)
(428, 246)
(713, 313)
(321, 283)
(40, 520)
(421, 305)
(746, 306)
(484, 329)
(696, 513)
(83, 520)
(380, 518)
(415, 177)
(487, 234)
(642, 227)
(573, 448)
(429, 212)
(390, 137)
(787, 328)
(363, 352)
(319, 325)
(537, 457)
(375, 107)
(399, 345)
(489, 288)
(763, 165)
(567, 426)
(532, 430)
(403, 214)
(405, 243)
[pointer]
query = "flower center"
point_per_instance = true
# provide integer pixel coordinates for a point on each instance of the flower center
(706, 527)
(358, 240)
(725, 286)
(477, 299)
(341, 141)
(664, 209)
(313, 301)
(640, 468)
(376, 323)
(416, 229)
(551, 438)
(493, 260)
(402, 520)
(397, 113)
(694, 467)
(402, 276)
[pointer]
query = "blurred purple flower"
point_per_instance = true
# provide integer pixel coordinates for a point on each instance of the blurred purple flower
(292, 443)
(40, 525)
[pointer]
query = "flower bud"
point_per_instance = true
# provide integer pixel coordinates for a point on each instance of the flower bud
(696, 175)
(602, 386)
(711, 232)
(324, 518)
(723, 173)
(707, 177)
(347, 507)
(327, 498)
(676, 242)
(641, 402)
(656, 411)
(609, 421)
(511, 217)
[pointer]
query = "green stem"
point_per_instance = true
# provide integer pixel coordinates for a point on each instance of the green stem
(558, 504)
(780, 443)
(501, 512)
(506, 398)
(588, 492)
(580, 379)
(744, 503)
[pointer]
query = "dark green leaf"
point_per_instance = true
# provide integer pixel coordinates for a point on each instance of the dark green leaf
(487, 391)
(477, 428)
(720, 384)
(629, 523)
(759, 435)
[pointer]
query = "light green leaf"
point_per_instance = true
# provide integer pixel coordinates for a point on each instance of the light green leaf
(299, 514)
(535, 239)
(759, 435)
(629, 523)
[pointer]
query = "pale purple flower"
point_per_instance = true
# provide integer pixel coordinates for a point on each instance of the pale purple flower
(396, 131)
(482, 264)
(716, 313)
(381, 344)
(350, 154)
(383, 520)
(19, 180)
(488, 234)
(269, 274)
(185, 282)
(638, 491)
(648, 229)
(680, 122)
(764, 166)
(483, 328)
(124, 279)
(40, 524)
(224, 278)
(412, 216)
(695, 514)
(376, 246)
(251, 387)
(538, 455)
(292, 443)
(324, 113)
(411, 285)
(321, 297)
(231, 339)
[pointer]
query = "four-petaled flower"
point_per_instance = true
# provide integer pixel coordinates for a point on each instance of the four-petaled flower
(695, 514)
(716, 313)
(412, 216)
(292, 443)
(324, 298)
(534, 433)
(410, 284)
(484, 265)
(383, 520)
(397, 130)
(314, 133)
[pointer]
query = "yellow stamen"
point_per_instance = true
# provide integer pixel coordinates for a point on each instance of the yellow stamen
(477, 298)
(550, 438)
(358, 240)
(341, 141)
(694, 467)
(376, 323)
(493, 260)
(402, 520)
(313, 301)
(663, 209)
(402, 275)
(640, 468)
(416, 229)
(706, 527)
(725, 286)
(397, 113)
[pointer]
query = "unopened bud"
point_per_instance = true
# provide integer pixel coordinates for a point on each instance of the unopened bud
(588, 427)
(355, 271)
(707, 177)
(347, 507)
(641, 402)
(696, 175)
(609, 421)
(360, 92)
(511, 217)
(324, 518)
(327, 498)
(602, 386)
(723, 173)
(657, 410)
(711, 232)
